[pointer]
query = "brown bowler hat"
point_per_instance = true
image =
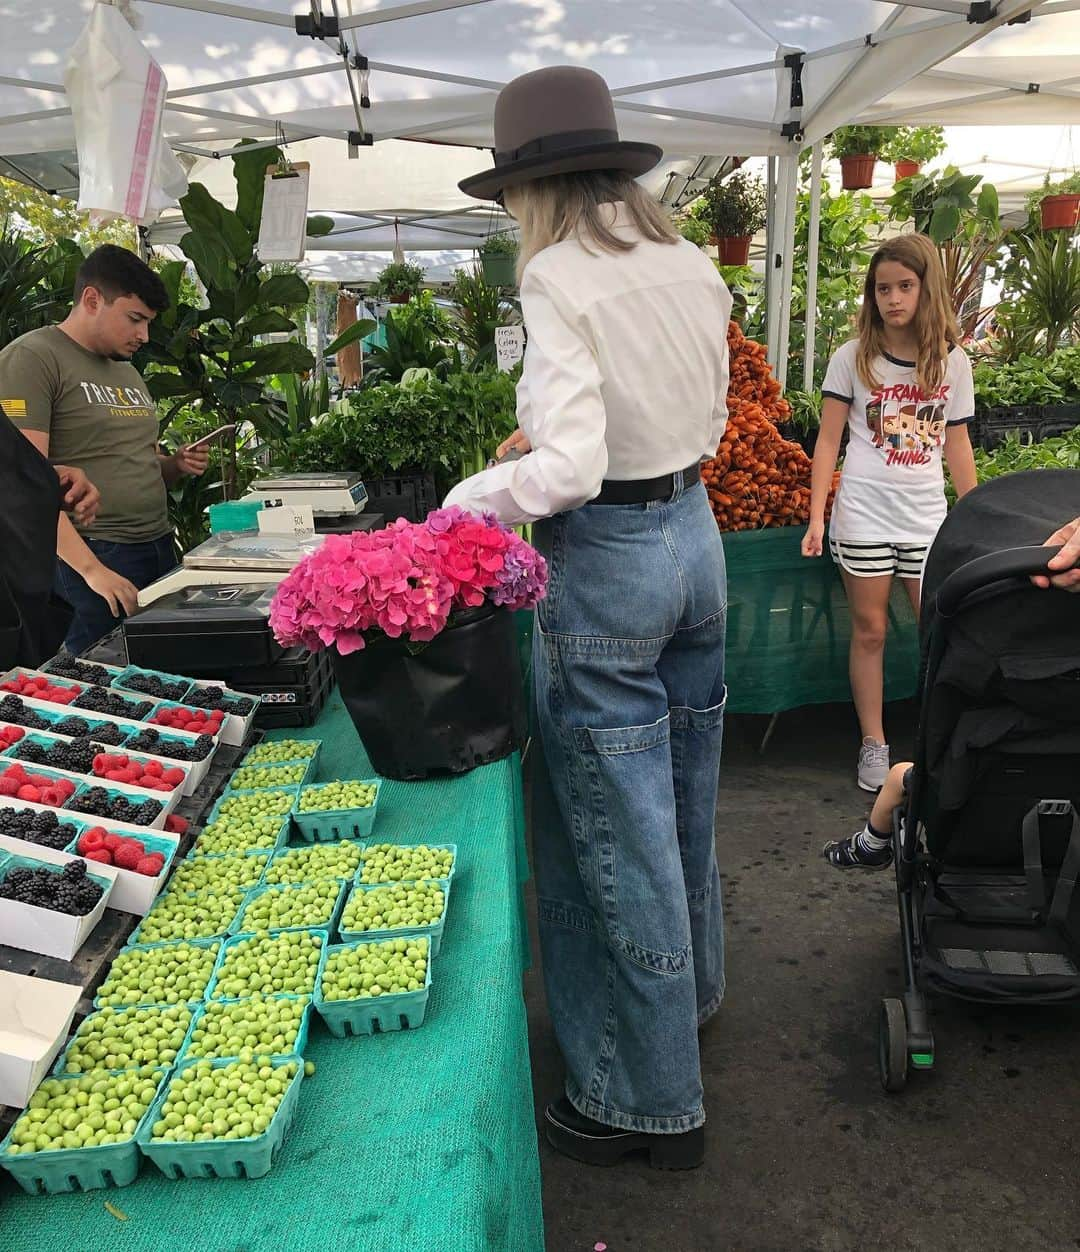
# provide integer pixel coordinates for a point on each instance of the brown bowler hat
(556, 121)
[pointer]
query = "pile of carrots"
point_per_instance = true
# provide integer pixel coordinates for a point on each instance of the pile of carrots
(757, 478)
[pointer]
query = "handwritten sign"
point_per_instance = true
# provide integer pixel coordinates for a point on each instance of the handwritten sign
(287, 519)
(509, 346)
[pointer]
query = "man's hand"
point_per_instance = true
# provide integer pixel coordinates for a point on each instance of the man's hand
(114, 589)
(1067, 559)
(192, 461)
(81, 498)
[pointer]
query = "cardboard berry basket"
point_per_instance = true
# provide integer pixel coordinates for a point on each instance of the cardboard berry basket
(79, 1169)
(263, 772)
(280, 840)
(211, 1008)
(240, 926)
(54, 717)
(222, 805)
(122, 682)
(222, 1158)
(332, 824)
(304, 750)
(358, 877)
(82, 784)
(61, 710)
(35, 929)
(235, 729)
(369, 1015)
(163, 751)
(255, 863)
(164, 705)
(48, 740)
(433, 931)
(235, 941)
(62, 1068)
(210, 945)
(110, 670)
(217, 928)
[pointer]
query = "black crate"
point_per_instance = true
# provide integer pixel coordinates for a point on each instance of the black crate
(1058, 419)
(991, 426)
(408, 495)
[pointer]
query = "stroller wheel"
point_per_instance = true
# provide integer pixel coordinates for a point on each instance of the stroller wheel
(892, 1045)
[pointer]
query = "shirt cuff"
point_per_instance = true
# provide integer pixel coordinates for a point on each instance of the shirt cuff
(835, 395)
(960, 421)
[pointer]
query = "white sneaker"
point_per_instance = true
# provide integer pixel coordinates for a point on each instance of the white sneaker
(873, 765)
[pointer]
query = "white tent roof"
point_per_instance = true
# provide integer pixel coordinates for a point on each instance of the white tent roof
(695, 76)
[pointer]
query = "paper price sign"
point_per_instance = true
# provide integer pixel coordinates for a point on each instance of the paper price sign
(509, 346)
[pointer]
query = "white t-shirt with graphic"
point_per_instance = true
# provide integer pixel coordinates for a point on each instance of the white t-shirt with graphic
(892, 488)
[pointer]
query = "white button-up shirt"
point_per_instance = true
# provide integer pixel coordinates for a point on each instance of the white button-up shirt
(625, 373)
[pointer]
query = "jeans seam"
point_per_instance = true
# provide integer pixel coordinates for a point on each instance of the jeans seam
(640, 1123)
(720, 614)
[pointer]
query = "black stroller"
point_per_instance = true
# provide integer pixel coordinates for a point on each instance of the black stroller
(987, 845)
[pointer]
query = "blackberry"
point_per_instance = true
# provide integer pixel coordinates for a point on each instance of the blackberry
(13, 709)
(150, 740)
(215, 698)
(44, 829)
(100, 700)
(151, 685)
(69, 891)
(98, 803)
(76, 757)
(82, 671)
(104, 732)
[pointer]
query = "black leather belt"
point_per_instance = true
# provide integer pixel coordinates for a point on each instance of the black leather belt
(644, 490)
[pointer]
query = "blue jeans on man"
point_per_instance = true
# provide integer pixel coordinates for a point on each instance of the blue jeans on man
(628, 667)
(139, 563)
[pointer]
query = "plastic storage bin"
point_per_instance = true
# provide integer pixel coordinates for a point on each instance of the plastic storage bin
(223, 1158)
(336, 823)
(80, 1169)
(369, 1015)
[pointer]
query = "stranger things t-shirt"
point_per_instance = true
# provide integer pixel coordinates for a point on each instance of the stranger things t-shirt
(99, 416)
(892, 486)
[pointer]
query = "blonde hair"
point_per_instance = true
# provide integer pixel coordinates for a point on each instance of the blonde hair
(935, 325)
(551, 209)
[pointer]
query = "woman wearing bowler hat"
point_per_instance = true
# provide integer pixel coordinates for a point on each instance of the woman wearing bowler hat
(621, 396)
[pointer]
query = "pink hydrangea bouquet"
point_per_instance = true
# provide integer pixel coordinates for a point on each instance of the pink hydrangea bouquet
(406, 579)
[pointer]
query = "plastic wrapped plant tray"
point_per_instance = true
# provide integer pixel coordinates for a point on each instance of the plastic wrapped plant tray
(81, 1169)
(223, 1158)
(212, 1008)
(369, 1015)
(235, 941)
(387, 882)
(240, 926)
(433, 931)
(122, 682)
(209, 945)
(327, 824)
(62, 1068)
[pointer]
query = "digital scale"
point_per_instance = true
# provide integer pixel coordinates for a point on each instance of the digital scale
(327, 495)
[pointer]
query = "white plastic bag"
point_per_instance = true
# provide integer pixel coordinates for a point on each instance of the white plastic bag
(117, 95)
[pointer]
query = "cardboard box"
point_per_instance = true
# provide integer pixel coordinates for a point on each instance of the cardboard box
(35, 1017)
(35, 929)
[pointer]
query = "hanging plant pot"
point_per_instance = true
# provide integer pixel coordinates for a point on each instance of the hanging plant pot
(858, 171)
(1060, 212)
(499, 268)
(439, 708)
(906, 169)
(732, 249)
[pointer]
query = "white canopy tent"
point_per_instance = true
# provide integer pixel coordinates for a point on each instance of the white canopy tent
(694, 76)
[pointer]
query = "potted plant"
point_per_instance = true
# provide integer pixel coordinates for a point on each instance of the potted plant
(694, 229)
(420, 619)
(1059, 204)
(736, 208)
(912, 147)
(857, 148)
(399, 282)
(498, 259)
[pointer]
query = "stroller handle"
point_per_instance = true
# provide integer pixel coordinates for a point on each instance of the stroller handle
(995, 567)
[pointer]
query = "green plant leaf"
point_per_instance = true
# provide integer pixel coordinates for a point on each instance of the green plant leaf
(319, 225)
(358, 330)
(249, 170)
(283, 290)
(275, 358)
(987, 206)
(170, 274)
(163, 386)
(270, 323)
(210, 258)
(944, 223)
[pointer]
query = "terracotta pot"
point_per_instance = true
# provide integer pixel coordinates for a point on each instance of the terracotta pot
(732, 249)
(907, 169)
(1060, 212)
(858, 171)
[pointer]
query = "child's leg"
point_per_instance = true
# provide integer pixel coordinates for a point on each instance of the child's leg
(871, 847)
(868, 601)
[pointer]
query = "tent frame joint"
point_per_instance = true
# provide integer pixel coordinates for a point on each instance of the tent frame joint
(981, 11)
(316, 24)
(794, 62)
(792, 131)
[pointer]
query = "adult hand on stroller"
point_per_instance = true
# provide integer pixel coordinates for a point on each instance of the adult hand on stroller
(813, 539)
(1068, 559)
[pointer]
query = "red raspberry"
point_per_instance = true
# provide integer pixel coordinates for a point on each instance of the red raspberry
(92, 840)
(116, 775)
(129, 854)
(16, 771)
(176, 825)
(154, 767)
(112, 842)
(26, 792)
(100, 854)
(174, 776)
(151, 865)
(9, 786)
(40, 780)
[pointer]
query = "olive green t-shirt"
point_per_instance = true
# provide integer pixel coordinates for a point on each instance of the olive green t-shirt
(99, 417)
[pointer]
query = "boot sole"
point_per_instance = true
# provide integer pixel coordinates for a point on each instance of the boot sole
(670, 1152)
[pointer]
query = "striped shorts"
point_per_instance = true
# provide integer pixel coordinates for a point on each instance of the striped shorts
(872, 560)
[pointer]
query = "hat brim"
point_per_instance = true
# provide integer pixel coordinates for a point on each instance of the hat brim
(632, 158)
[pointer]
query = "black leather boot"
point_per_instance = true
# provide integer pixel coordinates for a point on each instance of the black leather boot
(575, 1135)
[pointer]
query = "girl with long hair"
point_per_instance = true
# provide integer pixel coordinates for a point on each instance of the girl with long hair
(904, 390)
(622, 395)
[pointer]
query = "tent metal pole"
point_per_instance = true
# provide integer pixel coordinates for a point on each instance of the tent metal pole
(689, 79)
(935, 106)
(266, 16)
(771, 310)
(418, 9)
(221, 115)
(788, 188)
(943, 6)
(208, 89)
(812, 251)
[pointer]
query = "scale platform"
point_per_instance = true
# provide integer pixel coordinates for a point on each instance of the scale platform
(327, 494)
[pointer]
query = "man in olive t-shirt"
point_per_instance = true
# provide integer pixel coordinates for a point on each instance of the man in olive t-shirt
(75, 395)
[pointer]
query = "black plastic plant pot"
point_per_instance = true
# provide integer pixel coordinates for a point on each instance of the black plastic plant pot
(445, 707)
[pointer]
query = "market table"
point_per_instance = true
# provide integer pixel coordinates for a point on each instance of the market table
(788, 627)
(422, 1140)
